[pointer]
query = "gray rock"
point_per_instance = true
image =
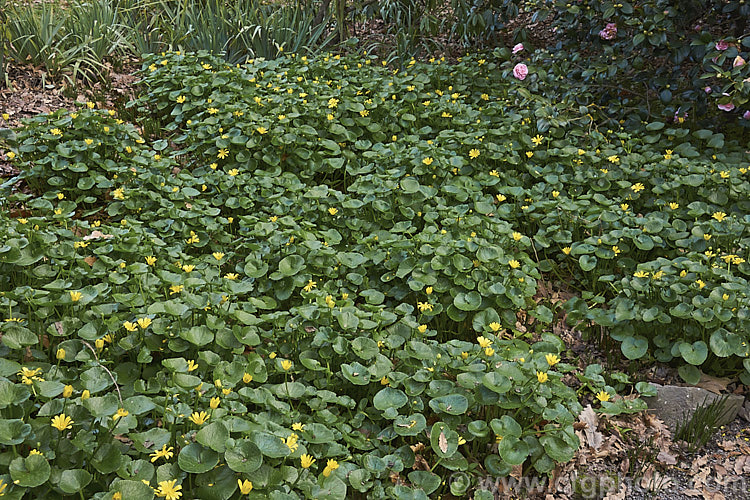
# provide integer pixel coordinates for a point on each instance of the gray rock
(674, 403)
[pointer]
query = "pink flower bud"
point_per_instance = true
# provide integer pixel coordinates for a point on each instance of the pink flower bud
(746, 115)
(722, 45)
(726, 107)
(707, 90)
(520, 71)
(517, 48)
(738, 61)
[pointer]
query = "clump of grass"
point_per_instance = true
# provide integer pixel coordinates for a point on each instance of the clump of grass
(696, 431)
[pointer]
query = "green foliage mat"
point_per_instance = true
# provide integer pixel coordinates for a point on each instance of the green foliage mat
(322, 274)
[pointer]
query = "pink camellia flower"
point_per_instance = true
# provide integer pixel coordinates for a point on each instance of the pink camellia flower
(746, 115)
(722, 45)
(707, 90)
(517, 48)
(609, 32)
(726, 107)
(520, 71)
(738, 61)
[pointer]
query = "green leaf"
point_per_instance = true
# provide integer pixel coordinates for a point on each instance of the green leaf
(389, 398)
(689, 374)
(196, 459)
(244, 457)
(444, 440)
(30, 472)
(291, 265)
(695, 353)
(513, 450)
(133, 490)
(557, 448)
(587, 262)
(356, 373)
(270, 445)
(470, 301)
(74, 480)
(13, 431)
(197, 335)
(425, 480)
(453, 404)
(634, 347)
(214, 436)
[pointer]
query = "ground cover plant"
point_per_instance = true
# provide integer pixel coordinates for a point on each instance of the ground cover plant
(319, 278)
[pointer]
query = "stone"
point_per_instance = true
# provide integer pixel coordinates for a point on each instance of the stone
(674, 403)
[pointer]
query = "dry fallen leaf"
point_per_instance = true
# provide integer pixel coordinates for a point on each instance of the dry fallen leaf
(714, 384)
(90, 260)
(443, 442)
(593, 437)
(98, 234)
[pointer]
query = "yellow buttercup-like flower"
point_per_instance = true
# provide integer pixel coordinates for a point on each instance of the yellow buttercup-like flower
(218, 255)
(422, 328)
(719, 216)
(144, 322)
(121, 412)
(602, 396)
(169, 490)
(473, 153)
(67, 391)
(214, 403)
(552, 359)
(62, 422)
(427, 161)
(514, 264)
(424, 306)
(286, 364)
(192, 365)
(60, 353)
(306, 461)
(246, 486)
(484, 342)
(199, 418)
(541, 377)
(331, 466)
(165, 453)
(247, 378)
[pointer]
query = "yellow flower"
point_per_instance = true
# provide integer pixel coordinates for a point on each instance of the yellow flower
(272, 355)
(167, 489)
(513, 263)
(427, 161)
(501, 197)
(214, 403)
(298, 426)
(537, 140)
(541, 377)
(99, 343)
(484, 342)
(674, 206)
(144, 322)
(473, 153)
(85, 395)
(683, 273)
(725, 296)
(566, 250)
(61, 422)
(6, 116)
(192, 365)
(384, 381)
(306, 461)
(175, 289)
(291, 442)
(281, 117)
(218, 255)
(33, 452)
(234, 172)
(246, 486)
(657, 275)
(700, 283)
(640, 274)
(724, 174)
(231, 276)
(489, 351)
(56, 131)
(310, 285)
(529, 154)
(188, 268)
(121, 412)
(223, 153)
(424, 306)
(199, 418)
(67, 391)
(247, 378)
(552, 359)
(286, 364)
(331, 466)
(333, 102)
(333, 211)
(165, 453)
(10, 155)
(261, 130)
(616, 250)
(517, 236)
(719, 216)
(637, 187)
(494, 326)
(422, 328)
(60, 353)
(212, 111)
(150, 260)
(602, 396)
(180, 99)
